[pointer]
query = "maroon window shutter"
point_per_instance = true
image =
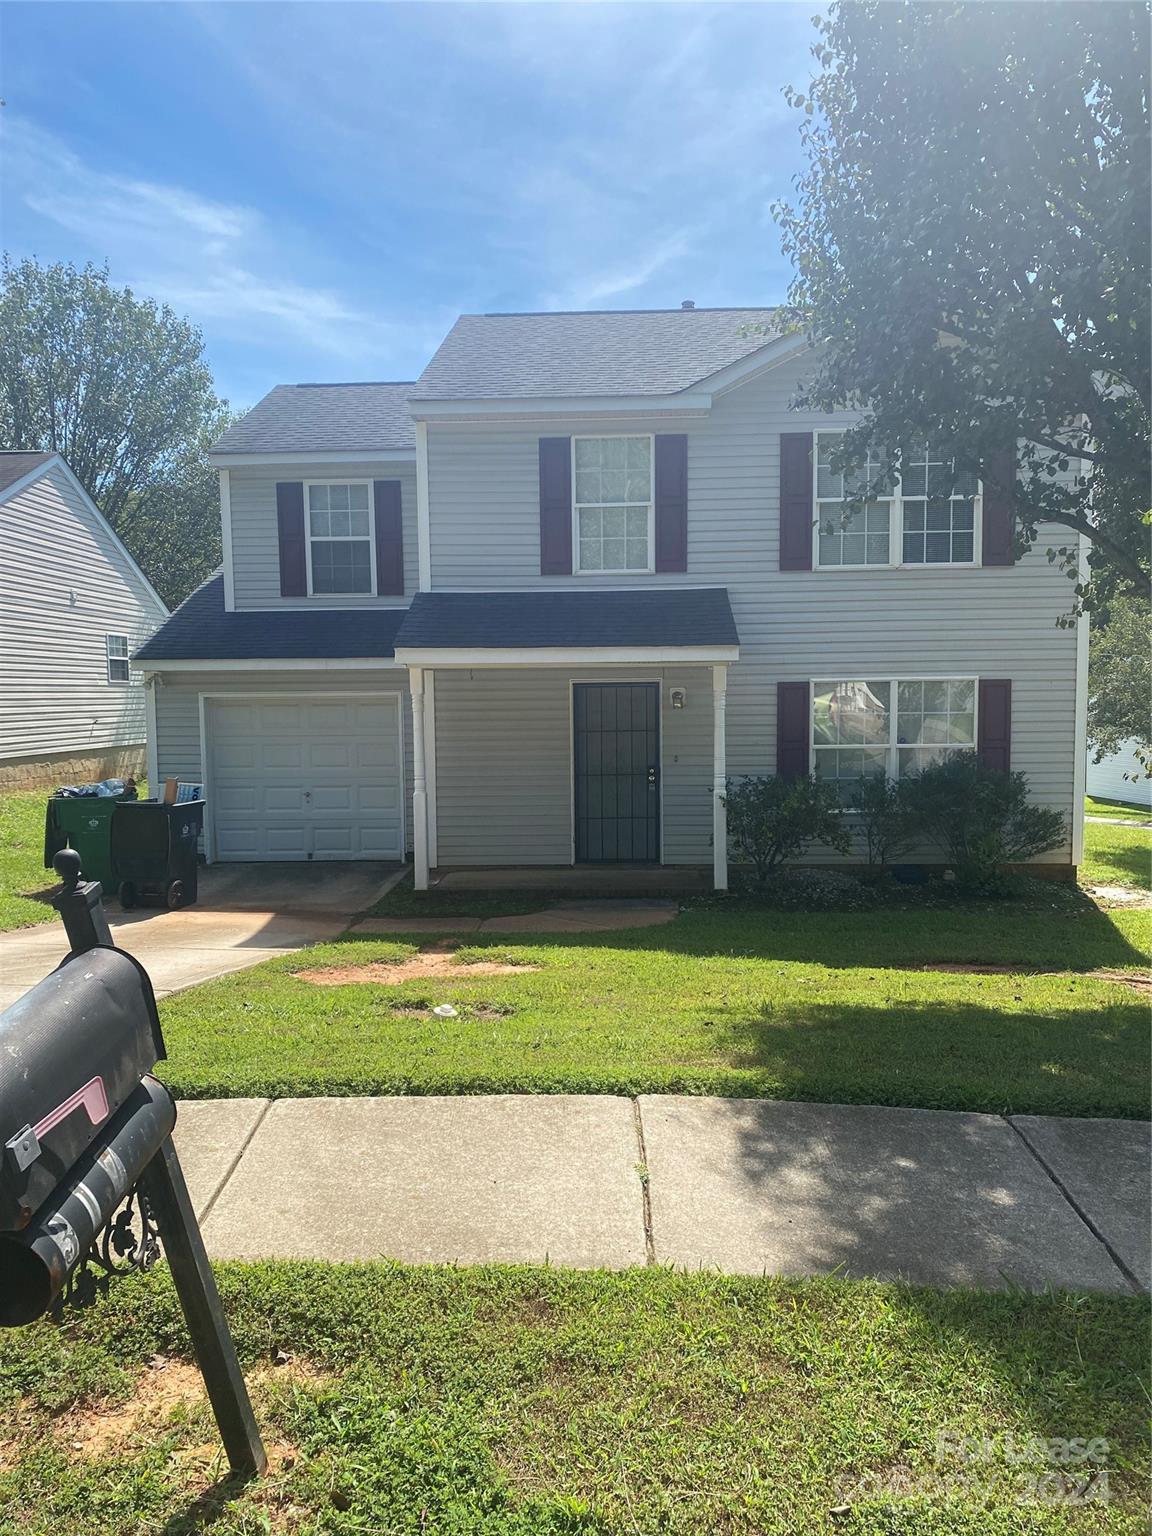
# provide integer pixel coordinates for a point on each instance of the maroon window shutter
(999, 530)
(994, 723)
(672, 501)
(555, 506)
(290, 529)
(796, 502)
(389, 538)
(792, 729)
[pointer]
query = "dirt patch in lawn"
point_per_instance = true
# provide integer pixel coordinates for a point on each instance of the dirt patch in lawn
(1120, 895)
(438, 960)
(163, 1388)
(1139, 981)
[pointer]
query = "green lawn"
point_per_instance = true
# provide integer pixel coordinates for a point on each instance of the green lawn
(22, 861)
(1117, 855)
(1123, 808)
(536, 1402)
(823, 1007)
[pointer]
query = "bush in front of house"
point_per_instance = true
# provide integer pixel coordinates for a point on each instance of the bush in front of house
(815, 890)
(772, 820)
(885, 817)
(981, 819)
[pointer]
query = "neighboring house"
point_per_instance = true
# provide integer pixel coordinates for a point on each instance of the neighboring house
(1120, 776)
(74, 606)
(536, 606)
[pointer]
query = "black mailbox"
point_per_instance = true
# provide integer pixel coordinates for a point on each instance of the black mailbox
(87, 1132)
(72, 1051)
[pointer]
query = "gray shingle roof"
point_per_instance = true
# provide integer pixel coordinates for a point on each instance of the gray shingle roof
(201, 630)
(324, 418)
(547, 618)
(606, 352)
(16, 463)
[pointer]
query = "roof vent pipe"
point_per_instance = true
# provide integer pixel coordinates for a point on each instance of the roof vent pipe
(687, 303)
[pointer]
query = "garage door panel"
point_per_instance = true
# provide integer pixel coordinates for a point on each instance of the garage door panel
(320, 780)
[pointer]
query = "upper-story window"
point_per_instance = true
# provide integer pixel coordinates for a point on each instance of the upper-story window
(613, 503)
(341, 553)
(929, 517)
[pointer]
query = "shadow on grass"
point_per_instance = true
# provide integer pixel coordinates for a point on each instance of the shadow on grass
(208, 1507)
(1128, 863)
(1075, 935)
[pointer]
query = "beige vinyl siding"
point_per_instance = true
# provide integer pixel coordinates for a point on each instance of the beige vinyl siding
(255, 544)
(178, 712)
(65, 586)
(504, 763)
(991, 621)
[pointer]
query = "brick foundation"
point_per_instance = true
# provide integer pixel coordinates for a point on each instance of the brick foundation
(55, 768)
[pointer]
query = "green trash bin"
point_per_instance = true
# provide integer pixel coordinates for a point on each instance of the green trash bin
(84, 823)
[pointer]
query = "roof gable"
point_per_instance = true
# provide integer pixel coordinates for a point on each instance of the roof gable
(325, 418)
(590, 354)
(15, 464)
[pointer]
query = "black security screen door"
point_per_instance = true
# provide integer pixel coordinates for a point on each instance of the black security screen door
(617, 747)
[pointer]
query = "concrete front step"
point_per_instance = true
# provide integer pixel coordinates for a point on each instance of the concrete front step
(743, 1186)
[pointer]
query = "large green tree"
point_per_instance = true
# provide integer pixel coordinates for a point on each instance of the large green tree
(119, 386)
(971, 245)
(1120, 681)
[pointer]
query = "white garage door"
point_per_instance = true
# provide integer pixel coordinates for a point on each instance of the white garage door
(306, 778)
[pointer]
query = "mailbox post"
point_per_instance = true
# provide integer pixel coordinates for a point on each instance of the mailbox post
(85, 1126)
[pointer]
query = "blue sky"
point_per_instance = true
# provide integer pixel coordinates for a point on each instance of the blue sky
(322, 188)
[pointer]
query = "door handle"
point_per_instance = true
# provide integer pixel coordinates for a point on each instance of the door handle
(651, 778)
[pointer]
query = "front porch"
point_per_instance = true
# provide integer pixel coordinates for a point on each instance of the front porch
(569, 732)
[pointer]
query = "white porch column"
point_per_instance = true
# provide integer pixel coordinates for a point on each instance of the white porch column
(419, 782)
(719, 777)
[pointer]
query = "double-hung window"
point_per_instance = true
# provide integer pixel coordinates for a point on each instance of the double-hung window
(889, 725)
(613, 504)
(929, 517)
(341, 554)
(116, 657)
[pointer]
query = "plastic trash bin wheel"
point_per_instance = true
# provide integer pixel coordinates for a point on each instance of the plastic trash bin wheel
(127, 894)
(174, 894)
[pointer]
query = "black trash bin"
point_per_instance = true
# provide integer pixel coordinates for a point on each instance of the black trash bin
(154, 859)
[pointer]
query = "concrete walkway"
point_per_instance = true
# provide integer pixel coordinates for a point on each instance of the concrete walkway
(246, 913)
(739, 1185)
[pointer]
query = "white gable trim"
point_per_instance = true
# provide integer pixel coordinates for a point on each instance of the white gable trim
(58, 463)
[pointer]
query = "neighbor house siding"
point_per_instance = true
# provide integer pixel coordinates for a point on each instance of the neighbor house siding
(1106, 780)
(178, 712)
(991, 621)
(255, 548)
(64, 587)
(504, 763)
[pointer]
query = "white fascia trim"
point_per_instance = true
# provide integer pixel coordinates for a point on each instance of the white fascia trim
(298, 456)
(273, 664)
(769, 356)
(693, 404)
(226, 541)
(570, 656)
(423, 519)
(56, 462)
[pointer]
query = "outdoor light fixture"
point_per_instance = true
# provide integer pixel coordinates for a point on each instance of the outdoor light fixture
(678, 697)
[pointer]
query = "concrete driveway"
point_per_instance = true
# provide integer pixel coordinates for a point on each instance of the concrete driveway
(246, 913)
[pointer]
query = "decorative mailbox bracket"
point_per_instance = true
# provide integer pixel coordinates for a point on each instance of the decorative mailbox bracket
(86, 1133)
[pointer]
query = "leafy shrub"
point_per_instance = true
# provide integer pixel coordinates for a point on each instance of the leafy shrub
(886, 817)
(771, 820)
(981, 819)
(815, 890)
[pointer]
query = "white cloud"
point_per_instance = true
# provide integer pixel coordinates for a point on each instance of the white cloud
(214, 261)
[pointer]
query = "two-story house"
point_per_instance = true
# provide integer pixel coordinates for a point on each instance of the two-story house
(537, 606)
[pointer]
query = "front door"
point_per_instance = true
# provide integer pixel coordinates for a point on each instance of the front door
(616, 741)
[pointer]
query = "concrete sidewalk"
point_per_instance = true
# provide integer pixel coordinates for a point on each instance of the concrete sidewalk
(743, 1186)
